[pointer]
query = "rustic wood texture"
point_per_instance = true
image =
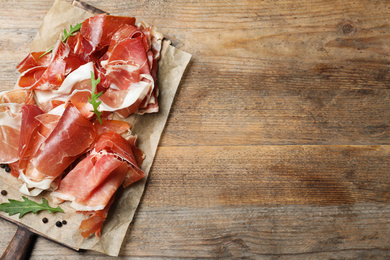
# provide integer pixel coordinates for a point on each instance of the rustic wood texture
(278, 141)
(20, 246)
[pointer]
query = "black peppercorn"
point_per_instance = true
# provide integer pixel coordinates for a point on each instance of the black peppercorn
(7, 168)
(2, 166)
(45, 220)
(59, 224)
(4, 192)
(64, 222)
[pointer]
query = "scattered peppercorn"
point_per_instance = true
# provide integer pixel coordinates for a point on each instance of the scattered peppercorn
(7, 168)
(45, 220)
(64, 222)
(59, 224)
(2, 165)
(4, 192)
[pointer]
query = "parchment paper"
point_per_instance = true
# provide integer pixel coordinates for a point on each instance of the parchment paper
(147, 127)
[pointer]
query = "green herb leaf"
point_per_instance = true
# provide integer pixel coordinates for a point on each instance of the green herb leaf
(46, 52)
(65, 36)
(71, 31)
(23, 207)
(93, 100)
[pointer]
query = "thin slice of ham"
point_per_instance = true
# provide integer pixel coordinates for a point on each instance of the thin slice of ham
(98, 30)
(28, 134)
(111, 163)
(11, 104)
(71, 137)
(94, 223)
(34, 59)
(10, 123)
(92, 184)
(100, 175)
(50, 75)
(115, 143)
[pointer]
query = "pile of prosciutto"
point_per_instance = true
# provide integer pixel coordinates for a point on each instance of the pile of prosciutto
(50, 137)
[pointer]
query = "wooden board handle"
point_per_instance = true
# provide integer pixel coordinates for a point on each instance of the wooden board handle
(20, 246)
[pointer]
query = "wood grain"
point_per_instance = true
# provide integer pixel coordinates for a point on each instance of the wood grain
(20, 246)
(292, 232)
(269, 175)
(277, 145)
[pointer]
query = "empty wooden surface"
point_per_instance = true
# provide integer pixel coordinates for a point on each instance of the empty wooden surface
(278, 141)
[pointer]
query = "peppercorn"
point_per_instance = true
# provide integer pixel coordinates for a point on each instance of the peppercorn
(2, 165)
(64, 222)
(4, 192)
(59, 224)
(7, 168)
(45, 220)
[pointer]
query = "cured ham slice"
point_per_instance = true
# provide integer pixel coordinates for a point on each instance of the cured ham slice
(18, 96)
(50, 75)
(113, 142)
(93, 224)
(76, 88)
(36, 127)
(11, 103)
(117, 126)
(71, 137)
(110, 165)
(10, 122)
(92, 184)
(28, 133)
(98, 30)
(34, 59)
(127, 67)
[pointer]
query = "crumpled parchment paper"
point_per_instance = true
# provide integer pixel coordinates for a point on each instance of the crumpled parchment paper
(147, 127)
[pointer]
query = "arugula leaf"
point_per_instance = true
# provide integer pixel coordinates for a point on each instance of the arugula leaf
(23, 207)
(65, 36)
(71, 31)
(46, 52)
(93, 100)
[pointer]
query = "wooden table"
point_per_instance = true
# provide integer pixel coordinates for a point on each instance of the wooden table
(277, 144)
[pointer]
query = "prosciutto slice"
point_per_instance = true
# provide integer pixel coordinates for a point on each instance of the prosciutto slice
(11, 104)
(99, 174)
(50, 75)
(71, 137)
(92, 184)
(34, 59)
(93, 224)
(28, 134)
(10, 123)
(111, 164)
(98, 30)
